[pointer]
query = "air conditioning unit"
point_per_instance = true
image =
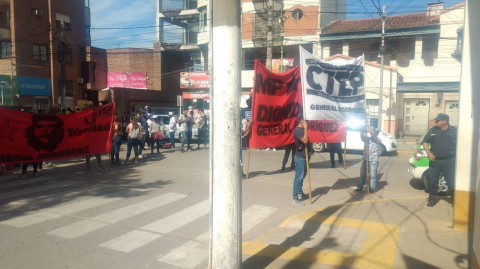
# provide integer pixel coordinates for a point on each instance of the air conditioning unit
(37, 12)
(80, 80)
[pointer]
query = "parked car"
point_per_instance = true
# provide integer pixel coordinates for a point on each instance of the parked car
(165, 119)
(354, 140)
(418, 166)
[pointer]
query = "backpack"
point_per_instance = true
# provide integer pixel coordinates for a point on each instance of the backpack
(135, 134)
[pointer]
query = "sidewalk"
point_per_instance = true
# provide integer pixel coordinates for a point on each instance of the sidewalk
(391, 228)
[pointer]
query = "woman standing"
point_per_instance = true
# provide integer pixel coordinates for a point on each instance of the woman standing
(116, 141)
(134, 134)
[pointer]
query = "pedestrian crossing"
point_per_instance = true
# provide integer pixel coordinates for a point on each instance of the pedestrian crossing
(175, 212)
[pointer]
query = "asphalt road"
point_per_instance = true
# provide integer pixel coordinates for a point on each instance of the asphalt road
(155, 214)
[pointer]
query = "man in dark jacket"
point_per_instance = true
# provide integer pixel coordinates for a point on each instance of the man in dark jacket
(442, 139)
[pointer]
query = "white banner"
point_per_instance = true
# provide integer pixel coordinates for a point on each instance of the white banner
(332, 92)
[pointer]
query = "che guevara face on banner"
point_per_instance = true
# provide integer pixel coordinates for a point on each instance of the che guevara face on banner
(45, 133)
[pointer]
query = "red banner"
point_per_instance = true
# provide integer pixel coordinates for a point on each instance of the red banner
(27, 138)
(276, 105)
(324, 131)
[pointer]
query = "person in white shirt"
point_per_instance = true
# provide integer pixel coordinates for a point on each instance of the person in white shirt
(172, 127)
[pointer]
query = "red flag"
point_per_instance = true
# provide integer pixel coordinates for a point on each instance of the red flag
(27, 137)
(276, 105)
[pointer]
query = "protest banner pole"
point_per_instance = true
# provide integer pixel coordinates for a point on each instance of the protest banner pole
(308, 168)
(366, 146)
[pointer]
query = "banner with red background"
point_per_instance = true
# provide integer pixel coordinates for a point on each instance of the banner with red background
(27, 138)
(276, 105)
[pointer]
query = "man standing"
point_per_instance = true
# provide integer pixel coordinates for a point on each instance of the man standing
(301, 142)
(335, 148)
(374, 149)
(182, 123)
(172, 127)
(442, 139)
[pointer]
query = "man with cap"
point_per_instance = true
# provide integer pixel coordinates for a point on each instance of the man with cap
(442, 139)
(172, 127)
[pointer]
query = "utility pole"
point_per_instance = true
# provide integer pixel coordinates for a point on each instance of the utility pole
(225, 250)
(62, 53)
(382, 67)
(268, 63)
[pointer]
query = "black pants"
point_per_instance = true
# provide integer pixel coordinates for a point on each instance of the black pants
(24, 168)
(99, 161)
(336, 148)
(288, 150)
(445, 166)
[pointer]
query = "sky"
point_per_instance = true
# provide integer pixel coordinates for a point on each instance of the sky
(131, 24)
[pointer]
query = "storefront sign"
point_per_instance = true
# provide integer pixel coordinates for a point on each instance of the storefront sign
(130, 80)
(194, 80)
(189, 95)
(34, 86)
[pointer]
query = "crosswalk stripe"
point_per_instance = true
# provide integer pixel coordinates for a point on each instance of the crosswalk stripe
(78, 229)
(255, 214)
(178, 219)
(192, 253)
(86, 226)
(189, 255)
(131, 241)
(24, 221)
(136, 209)
(57, 211)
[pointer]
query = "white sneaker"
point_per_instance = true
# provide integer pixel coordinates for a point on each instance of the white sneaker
(140, 156)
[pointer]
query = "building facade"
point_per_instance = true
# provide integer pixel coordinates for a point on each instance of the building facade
(425, 48)
(184, 36)
(42, 48)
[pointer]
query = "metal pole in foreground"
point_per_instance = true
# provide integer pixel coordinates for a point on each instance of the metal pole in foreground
(225, 194)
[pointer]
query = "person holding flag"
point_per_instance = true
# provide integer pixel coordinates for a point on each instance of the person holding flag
(300, 159)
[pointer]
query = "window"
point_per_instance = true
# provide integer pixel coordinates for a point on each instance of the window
(5, 49)
(430, 47)
(459, 39)
(68, 88)
(87, 30)
(63, 22)
(40, 52)
(4, 19)
(203, 20)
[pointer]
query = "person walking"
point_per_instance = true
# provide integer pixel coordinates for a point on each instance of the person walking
(440, 144)
(201, 121)
(156, 128)
(190, 123)
(172, 127)
(182, 123)
(374, 150)
(301, 143)
(116, 141)
(335, 148)
(134, 134)
(289, 149)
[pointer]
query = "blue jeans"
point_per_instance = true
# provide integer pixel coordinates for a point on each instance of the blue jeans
(172, 138)
(189, 138)
(183, 138)
(115, 153)
(132, 143)
(300, 173)
(372, 166)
